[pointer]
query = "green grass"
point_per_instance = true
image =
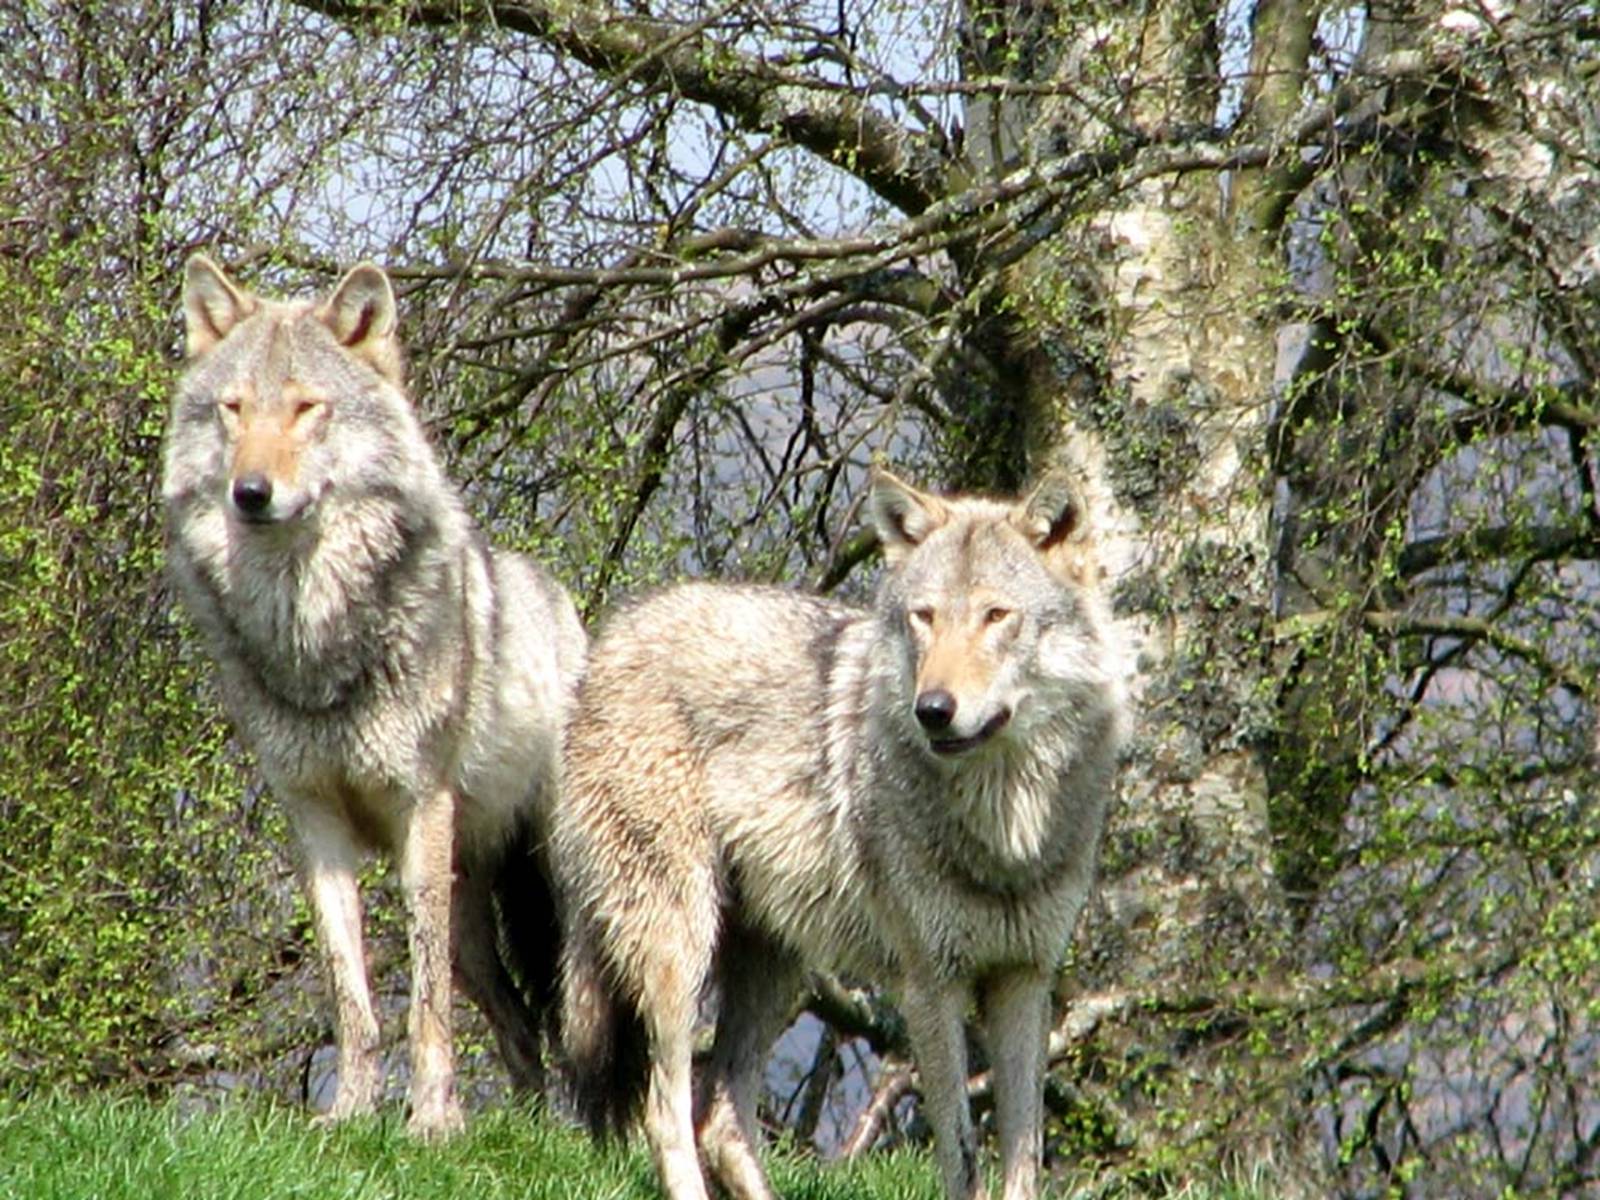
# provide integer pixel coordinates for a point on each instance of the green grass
(102, 1147)
(108, 1148)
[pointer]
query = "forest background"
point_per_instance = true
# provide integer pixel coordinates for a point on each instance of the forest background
(1306, 293)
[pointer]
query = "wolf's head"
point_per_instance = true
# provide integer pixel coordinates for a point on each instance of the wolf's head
(995, 604)
(268, 383)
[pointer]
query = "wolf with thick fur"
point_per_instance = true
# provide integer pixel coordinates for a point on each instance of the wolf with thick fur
(759, 781)
(402, 685)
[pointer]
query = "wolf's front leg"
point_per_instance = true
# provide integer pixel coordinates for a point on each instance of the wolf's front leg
(329, 858)
(425, 874)
(1016, 1012)
(933, 1012)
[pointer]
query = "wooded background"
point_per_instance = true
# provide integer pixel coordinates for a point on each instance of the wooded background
(1306, 291)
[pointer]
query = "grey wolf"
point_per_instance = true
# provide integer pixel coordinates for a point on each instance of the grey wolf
(759, 782)
(402, 685)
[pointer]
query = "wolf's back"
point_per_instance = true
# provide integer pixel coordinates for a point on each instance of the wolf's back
(716, 655)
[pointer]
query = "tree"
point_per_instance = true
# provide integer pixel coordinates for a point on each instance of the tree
(1299, 288)
(111, 764)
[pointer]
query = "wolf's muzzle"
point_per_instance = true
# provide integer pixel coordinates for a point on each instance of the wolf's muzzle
(936, 709)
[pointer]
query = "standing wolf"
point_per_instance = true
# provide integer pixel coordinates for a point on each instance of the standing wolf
(758, 781)
(403, 686)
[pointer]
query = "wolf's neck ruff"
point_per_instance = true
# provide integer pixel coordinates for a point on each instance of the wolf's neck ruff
(1006, 814)
(308, 611)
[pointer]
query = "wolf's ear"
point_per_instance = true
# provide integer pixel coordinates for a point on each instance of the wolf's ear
(361, 315)
(902, 515)
(1052, 514)
(212, 305)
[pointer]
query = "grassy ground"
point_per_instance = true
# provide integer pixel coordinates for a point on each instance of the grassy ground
(100, 1148)
(106, 1148)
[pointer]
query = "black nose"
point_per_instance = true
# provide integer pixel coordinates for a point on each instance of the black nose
(252, 493)
(936, 709)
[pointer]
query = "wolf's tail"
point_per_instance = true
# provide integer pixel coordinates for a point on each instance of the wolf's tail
(603, 1036)
(530, 924)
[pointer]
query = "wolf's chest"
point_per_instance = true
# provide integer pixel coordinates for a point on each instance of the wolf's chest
(318, 638)
(965, 888)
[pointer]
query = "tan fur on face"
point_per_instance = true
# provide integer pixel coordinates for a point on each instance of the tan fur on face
(963, 644)
(269, 435)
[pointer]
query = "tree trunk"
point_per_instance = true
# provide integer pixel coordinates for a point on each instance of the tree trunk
(1149, 349)
(1148, 360)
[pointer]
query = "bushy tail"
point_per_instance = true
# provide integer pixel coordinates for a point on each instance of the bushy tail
(604, 1040)
(530, 924)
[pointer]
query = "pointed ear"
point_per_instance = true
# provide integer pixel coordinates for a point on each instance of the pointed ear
(361, 314)
(212, 305)
(903, 516)
(1052, 513)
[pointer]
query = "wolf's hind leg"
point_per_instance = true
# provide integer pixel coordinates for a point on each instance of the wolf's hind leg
(668, 959)
(329, 857)
(483, 977)
(425, 871)
(757, 981)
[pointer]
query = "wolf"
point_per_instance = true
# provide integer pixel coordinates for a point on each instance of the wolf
(759, 781)
(402, 685)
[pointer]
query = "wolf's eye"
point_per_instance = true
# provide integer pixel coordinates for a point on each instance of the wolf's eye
(922, 616)
(994, 614)
(306, 408)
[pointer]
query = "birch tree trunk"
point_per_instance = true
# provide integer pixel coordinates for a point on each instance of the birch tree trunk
(1149, 349)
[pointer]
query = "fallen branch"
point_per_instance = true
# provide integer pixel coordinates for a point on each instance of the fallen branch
(895, 1083)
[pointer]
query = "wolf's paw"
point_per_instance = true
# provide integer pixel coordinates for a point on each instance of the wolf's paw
(435, 1117)
(342, 1109)
(523, 1062)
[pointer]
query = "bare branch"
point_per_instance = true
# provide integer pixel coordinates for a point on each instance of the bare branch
(851, 554)
(902, 167)
(1541, 541)
(858, 1013)
(814, 1089)
(894, 1084)
(1395, 980)
(1478, 629)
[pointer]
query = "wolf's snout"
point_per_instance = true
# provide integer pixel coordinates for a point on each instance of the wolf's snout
(935, 709)
(252, 494)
